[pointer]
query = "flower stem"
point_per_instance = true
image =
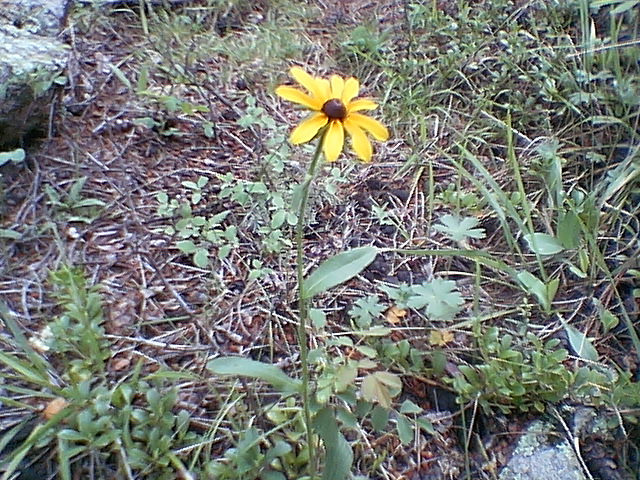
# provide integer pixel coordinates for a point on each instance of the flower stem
(303, 303)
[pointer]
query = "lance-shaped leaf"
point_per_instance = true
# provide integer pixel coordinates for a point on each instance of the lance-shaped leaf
(245, 367)
(338, 269)
(338, 453)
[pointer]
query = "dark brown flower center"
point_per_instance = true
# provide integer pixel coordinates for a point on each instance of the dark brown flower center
(334, 108)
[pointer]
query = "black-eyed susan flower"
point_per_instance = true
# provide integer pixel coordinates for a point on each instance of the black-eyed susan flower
(334, 106)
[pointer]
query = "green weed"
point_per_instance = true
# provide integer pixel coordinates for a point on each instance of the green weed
(88, 419)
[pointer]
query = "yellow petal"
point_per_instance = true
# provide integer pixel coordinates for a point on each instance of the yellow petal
(337, 86)
(296, 96)
(333, 141)
(325, 89)
(308, 128)
(372, 126)
(361, 104)
(360, 142)
(307, 81)
(351, 89)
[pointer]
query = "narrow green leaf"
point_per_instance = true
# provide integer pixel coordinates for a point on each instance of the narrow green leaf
(533, 285)
(375, 331)
(11, 234)
(438, 361)
(338, 269)
(25, 369)
(120, 75)
(89, 202)
(12, 463)
(624, 7)
(338, 453)
(71, 435)
(39, 363)
(9, 434)
(580, 343)
(244, 367)
(480, 256)
(143, 80)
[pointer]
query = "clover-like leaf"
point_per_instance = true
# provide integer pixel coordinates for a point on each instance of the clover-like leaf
(365, 310)
(381, 387)
(459, 229)
(439, 297)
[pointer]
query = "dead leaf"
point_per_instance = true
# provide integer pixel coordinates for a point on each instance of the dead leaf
(54, 407)
(394, 315)
(119, 364)
(440, 337)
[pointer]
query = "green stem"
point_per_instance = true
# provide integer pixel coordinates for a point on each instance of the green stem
(303, 303)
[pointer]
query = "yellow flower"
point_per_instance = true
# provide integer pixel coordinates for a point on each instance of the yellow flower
(334, 105)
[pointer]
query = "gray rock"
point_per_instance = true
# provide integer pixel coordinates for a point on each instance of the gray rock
(32, 61)
(537, 458)
(41, 17)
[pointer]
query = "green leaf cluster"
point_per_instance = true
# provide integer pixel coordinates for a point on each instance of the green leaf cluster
(197, 234)
(71, 203)
(135, 417)
(255, 456)
(511, 376)
(76, 337)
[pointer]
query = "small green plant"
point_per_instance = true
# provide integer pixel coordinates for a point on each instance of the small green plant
(77, 336)
(71, 203)
(250, 459)
(365, 40)
(456, 196)
(169, 106)
(510, 376)
(43, 79)
(266, 210)
(604, 386)
(197, 234)
(87, 419)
